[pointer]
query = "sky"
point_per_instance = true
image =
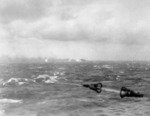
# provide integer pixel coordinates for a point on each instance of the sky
(88, 29)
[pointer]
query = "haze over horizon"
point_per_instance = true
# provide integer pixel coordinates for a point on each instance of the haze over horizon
(84, 29)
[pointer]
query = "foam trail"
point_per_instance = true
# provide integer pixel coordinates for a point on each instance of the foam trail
(111, 90)
(70, 84)
(103, 89)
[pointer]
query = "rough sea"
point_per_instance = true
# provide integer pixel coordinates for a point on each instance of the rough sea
(51, 89)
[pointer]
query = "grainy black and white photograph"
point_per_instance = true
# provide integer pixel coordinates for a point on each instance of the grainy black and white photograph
(74, 57)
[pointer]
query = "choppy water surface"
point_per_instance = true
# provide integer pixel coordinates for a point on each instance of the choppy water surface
(38, 89)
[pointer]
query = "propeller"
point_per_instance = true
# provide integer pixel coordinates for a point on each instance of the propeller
(125, 92)
(96, 87)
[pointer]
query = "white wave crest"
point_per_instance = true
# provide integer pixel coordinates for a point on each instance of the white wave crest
(46, 79)
(14, 81)
(39, 79)
(10, 101)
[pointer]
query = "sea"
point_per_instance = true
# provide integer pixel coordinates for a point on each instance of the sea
(55, 89)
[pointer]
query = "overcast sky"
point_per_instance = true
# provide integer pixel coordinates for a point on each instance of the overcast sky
(90, 29)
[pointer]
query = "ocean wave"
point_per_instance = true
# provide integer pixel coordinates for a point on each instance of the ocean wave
(37, 80)
(46, 79)
(15, 81)
(107, 66)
